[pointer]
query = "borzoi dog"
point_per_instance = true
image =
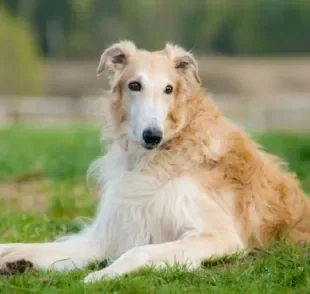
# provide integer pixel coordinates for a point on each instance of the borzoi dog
(180, 183)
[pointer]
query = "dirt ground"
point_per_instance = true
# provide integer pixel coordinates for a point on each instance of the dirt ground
(24, 196)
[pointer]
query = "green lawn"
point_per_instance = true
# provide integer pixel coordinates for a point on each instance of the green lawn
(43, 194)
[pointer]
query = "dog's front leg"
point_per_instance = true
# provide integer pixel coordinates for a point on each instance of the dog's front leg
(75, 251)
(67, 255)
(189, 252)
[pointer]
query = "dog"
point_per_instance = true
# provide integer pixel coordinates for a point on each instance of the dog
(180, 183)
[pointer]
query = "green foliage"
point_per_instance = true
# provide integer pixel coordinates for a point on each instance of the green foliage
(85, 27)
(56, 153)
(21, 71)
(66, 152)
(279, 269)
(294, 148)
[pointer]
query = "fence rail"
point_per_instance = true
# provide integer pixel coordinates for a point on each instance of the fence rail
(275, 113)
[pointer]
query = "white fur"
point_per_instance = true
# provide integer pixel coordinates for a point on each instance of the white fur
(149, 107)
(140, 220)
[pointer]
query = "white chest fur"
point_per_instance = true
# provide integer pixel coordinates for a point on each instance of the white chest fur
(137, 209)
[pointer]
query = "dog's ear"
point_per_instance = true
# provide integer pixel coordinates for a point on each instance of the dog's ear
(184, 61)
(116, 57)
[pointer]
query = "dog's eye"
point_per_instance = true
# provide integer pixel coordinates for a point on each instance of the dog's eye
(168, 89)
(135, 86)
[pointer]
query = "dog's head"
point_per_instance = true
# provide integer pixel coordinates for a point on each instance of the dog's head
(150, 90)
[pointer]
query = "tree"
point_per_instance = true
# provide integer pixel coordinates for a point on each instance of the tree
(21, 71)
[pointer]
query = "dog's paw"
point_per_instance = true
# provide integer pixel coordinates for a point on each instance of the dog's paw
(130, 261)
(16, 258)
(15, 267)
(99, 276)
(5, 249)
(10, 263)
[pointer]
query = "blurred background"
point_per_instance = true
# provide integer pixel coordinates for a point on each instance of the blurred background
(254, 55)
(254, 58)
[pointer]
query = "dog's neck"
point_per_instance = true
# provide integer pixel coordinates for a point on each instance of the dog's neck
(135, 155)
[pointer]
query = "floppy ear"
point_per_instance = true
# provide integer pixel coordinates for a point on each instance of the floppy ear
(116, 57)
(184, 61)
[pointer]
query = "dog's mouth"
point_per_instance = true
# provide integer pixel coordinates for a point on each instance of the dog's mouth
(150, 146)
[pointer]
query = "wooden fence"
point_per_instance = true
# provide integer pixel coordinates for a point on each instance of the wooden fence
(289, 113)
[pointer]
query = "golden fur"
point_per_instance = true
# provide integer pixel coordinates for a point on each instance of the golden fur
(268, 201)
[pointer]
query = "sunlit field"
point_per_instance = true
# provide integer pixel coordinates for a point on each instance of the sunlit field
(44, 194)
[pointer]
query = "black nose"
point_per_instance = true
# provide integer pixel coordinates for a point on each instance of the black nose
(152, 137)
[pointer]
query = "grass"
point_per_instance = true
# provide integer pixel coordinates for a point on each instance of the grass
(43, 194)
